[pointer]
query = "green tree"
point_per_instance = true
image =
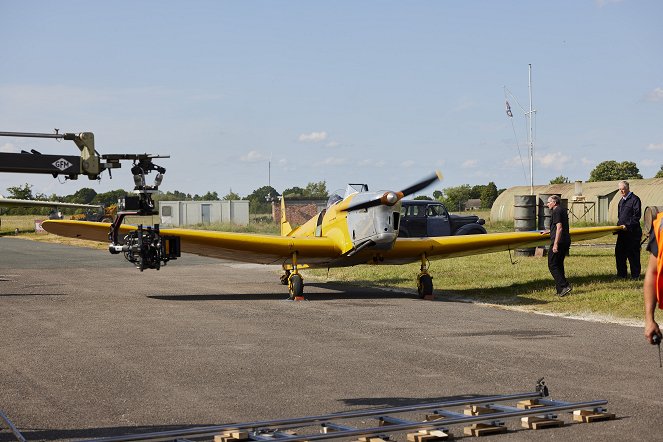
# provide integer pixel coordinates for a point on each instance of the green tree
(23, 192)
(81, 196)
(612, 171)
(423, 197)
(209, 196)
(475, 193)
(175, 195)
(260, 201)
(659, 174)
(316, 190)
(293, 192)
(455, 197)
(488, 195)
(232, 196)
(110, 197)
(560, 180)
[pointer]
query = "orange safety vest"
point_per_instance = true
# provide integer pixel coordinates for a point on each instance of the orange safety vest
(658, 231)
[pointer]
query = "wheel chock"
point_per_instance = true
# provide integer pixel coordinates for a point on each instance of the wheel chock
(478, 430)
(428, 436)
(539, 423)
(529, 404)
(232, 436)
(587, 416)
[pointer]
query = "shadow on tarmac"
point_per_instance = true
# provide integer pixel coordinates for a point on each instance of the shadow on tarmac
(332, 291)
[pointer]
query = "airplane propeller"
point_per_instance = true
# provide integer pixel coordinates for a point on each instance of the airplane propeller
(390, 198)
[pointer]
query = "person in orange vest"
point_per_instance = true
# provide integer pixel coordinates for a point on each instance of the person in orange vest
(653, 287)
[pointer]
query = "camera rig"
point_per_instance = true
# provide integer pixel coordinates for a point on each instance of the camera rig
(144, 247)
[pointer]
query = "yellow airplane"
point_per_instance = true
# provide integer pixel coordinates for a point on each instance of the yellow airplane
(359, 227)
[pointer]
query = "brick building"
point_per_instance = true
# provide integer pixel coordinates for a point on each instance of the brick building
(298, 211)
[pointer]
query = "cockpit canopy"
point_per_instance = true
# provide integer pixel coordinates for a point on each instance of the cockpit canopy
(340, 195)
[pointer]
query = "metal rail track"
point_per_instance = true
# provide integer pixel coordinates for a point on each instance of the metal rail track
(382, 423)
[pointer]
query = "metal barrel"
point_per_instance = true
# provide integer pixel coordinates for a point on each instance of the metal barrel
(524, 218)
(545, 214)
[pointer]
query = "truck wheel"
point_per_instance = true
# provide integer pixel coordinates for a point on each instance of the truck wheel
(425, 286)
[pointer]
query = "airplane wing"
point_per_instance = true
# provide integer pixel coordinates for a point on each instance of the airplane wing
(10, 202)
(246, 247)
(410, 249)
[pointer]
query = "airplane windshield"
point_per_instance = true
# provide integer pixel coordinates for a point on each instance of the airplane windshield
(334, 198)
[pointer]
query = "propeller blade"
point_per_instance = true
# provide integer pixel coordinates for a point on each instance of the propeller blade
(422, 184)
(391, 198)
(364, 205)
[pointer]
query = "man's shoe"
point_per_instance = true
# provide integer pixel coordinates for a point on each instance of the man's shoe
(565, 291)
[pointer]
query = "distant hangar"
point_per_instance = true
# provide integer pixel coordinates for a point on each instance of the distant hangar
(591, 202)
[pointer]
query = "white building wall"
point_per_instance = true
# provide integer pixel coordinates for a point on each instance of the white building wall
(183, 213)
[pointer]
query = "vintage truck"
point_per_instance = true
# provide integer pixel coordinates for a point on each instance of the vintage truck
(420, 218)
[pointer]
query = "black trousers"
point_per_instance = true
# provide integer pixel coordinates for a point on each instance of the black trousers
(628, 248)
(556, 265)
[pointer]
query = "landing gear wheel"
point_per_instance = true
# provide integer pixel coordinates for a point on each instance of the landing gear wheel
(284, 277)
(296, 286)
(425, 285)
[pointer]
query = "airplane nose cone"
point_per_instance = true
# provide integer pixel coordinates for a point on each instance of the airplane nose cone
(391, 198)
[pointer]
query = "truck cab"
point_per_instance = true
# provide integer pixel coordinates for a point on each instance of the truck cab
(422, 218)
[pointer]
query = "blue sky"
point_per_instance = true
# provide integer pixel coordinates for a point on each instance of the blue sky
(381, 92)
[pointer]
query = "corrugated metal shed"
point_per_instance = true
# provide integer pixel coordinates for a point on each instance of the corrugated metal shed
(587, 202)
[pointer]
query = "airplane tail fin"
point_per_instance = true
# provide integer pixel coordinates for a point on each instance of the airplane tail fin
(286, 228)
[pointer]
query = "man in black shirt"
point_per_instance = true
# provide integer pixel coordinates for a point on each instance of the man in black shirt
(628, 241)
(560, 243)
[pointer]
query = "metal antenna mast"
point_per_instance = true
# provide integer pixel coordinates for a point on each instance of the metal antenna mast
(530, 135)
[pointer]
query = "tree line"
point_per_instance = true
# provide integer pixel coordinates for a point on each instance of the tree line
(260, 200)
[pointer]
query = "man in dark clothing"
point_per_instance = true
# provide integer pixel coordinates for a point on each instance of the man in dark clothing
(560, 243)
(628, 241)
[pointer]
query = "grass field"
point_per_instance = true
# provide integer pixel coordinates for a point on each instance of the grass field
(24, 223)
(517, 282)
(524, 283)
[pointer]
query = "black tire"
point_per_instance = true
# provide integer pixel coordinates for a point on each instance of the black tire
(425, 286)
(296, 286)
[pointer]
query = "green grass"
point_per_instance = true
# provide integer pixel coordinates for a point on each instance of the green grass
(24, 223)
(527, 284)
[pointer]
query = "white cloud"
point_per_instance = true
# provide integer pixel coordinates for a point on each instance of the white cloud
(648, 163)
(370, 162)
(313, 137)
(285, 165)
(655, 95)
(468, 164)
(332, 161)
(253, 157)
(332, 144)
(408, 163)
(655, 146)
(514, 162)
(554, 160)
(587, 161)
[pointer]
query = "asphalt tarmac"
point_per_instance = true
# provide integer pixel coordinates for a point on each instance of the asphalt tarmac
(91, 347)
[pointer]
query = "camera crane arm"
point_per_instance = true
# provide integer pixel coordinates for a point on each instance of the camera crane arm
(146, 248)
(89, 162)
